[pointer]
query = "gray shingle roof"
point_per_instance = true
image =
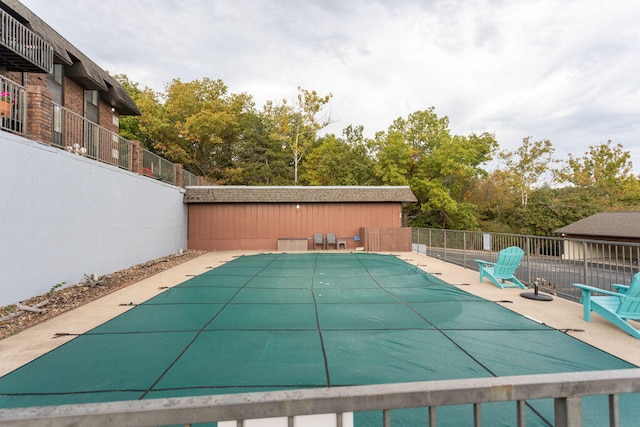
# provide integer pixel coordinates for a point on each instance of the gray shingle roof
(291, 194)
(606, 224)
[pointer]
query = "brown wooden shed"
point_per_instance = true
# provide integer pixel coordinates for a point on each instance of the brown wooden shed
(287, 217)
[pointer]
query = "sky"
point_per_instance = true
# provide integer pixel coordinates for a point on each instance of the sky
(567, 71)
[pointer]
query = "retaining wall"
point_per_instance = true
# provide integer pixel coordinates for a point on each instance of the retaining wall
(62, 215)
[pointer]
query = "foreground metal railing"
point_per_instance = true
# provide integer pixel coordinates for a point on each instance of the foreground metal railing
(565, 389)
(13, 106)
(556, 262)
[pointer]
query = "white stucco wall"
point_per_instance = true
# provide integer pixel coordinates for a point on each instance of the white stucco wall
(62, 215)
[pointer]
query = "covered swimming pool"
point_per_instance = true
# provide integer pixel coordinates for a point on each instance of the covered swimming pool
(308, 320)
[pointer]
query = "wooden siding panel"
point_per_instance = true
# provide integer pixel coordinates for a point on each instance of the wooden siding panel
(260, 225)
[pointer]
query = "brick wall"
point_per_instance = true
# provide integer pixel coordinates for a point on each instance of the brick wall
(36, 79)
(106, 117)
(73, 97)
(40, 119)
(12, 75)
(39, 111)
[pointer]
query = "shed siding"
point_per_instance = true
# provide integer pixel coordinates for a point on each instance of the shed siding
(258, 226)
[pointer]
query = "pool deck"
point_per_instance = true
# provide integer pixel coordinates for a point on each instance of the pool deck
(559, 313)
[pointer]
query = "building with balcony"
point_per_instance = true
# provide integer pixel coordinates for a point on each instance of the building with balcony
(74, 190)
(54, 94)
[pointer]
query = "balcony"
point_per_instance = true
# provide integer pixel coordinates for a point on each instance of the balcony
(13, 103)
(21, 49)
(77, 135)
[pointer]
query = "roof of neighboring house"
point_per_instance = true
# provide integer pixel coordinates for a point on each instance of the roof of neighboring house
(297, 194)
(606, 224)
(81, 69)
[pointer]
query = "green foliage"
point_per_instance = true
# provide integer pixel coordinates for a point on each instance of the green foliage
(551, 209)
(440, 168)
(605, 173)
(8, 308)
(497, 203)
(147, 127)
(296, 126)
(56, 287)
(223, 137)
(206, 120)
(526, 165)
(338, 162)
(261, 159)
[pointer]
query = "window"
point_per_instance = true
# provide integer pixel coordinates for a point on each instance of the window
(91, 134)
(55, 84)
(91, 99)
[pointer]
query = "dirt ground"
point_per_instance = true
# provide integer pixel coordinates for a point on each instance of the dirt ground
(61, 299)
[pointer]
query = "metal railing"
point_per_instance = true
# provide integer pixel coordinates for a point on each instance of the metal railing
(13, 106)
(555, 262)
(156, 167)
(78, 135)
(25, 43)
(189, 178)
(566, 390)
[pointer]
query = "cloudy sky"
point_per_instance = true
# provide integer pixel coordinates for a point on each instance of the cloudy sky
(568, 71)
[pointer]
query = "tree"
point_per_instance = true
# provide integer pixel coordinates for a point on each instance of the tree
(151, 125)
(499, 207)
(207, 125)
(552, 208)
(337, 161)
(296, 126)
(605, 172)
(440, 168)
(261, 159)
(526, 165)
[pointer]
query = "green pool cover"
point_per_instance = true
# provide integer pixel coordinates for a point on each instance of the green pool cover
(285, 321)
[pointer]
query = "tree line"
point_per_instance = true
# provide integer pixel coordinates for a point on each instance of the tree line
(227, 139)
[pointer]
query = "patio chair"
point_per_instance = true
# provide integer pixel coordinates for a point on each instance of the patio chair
(617, 307)
(333, 240)
(318, 240)
(500, 273)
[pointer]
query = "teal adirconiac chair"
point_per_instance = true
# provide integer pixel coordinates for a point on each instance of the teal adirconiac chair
(617, 307)
(501, 272)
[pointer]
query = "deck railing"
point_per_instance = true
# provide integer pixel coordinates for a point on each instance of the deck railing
(31, 49)
(13, 106)
(156, 167)
(74, 133)
(78, 135)
(566, 390)
(554, 262)
(189, 179)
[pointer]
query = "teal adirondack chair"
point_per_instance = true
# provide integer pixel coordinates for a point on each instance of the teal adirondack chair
(501, 272)
(617, 307)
